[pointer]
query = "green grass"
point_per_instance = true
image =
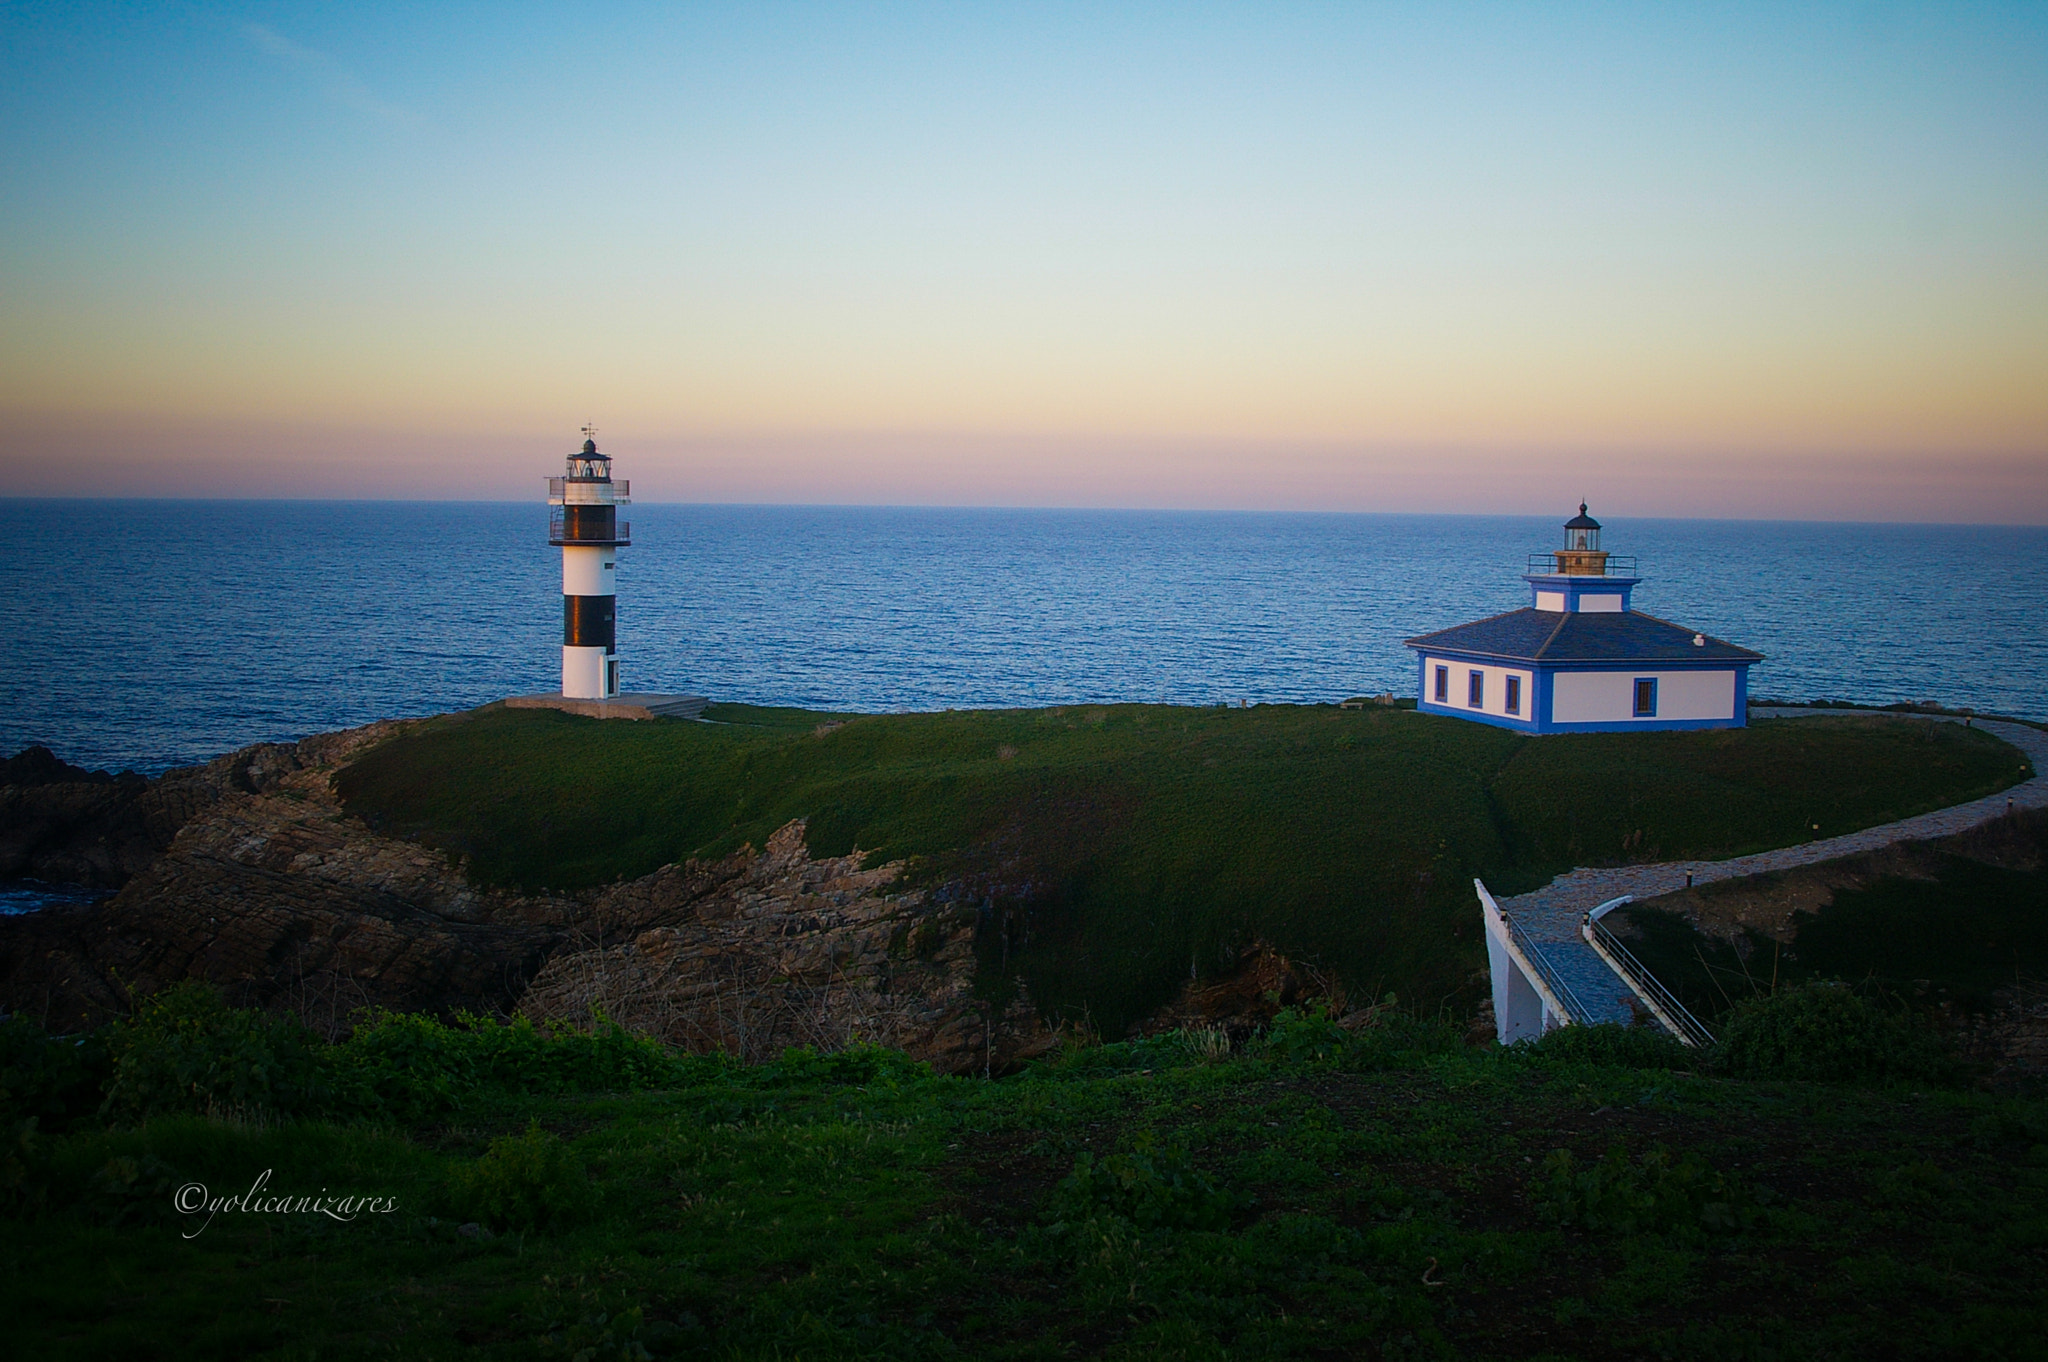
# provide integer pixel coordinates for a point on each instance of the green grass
(1377, 1200)
(1955, 929)
(1126, 844)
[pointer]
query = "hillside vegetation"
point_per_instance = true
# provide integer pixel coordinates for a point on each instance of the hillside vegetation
(1961, 922)
(1122, 847)
(1311, 1193)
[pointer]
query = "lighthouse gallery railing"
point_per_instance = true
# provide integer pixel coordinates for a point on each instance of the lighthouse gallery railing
(1545, 564)
(621, 488)
(558, 531)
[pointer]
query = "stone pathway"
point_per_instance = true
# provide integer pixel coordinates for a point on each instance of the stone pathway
(1547, 920)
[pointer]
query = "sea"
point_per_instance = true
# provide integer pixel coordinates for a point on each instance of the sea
(144, 635)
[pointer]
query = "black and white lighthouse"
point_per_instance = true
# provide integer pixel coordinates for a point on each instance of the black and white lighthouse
(584, 522)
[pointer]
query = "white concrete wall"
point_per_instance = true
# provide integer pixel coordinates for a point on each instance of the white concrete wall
(1610, 697)
(583, 674)
(1550, 600)
(1602, 604)
(1496, 687)
(1520, 1010)
(590, 572)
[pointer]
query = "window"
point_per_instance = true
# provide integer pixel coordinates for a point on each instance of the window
(1475, 685)
(1646, 697)
(611, 676)
(1513, 698)
(1443, 685)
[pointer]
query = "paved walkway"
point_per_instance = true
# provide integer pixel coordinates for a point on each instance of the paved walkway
(1548, 919)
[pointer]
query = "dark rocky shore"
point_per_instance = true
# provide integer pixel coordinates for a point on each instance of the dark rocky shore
(248, 872)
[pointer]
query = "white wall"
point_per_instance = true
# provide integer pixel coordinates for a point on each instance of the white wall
(1496, 687)
(583, 673)
(1610, 697)
(589, 493)
(589, 572)
(1594, 603)
(1519, 1009)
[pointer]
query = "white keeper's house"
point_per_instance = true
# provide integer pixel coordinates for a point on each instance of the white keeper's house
(1579, 659)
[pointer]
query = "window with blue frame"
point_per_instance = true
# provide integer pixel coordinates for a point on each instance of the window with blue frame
(1475, 685)
(1511, 699)
(1646, 697)
(1443, 685)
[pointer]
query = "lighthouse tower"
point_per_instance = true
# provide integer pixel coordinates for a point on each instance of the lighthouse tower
(585, 523)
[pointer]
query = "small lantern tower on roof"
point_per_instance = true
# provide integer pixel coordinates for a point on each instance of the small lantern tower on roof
(1581, 554)
(1581, 575)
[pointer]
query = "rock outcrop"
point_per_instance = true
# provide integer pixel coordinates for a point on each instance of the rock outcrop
(265, 887)
(762, 951)
(67, 825)
(247, 872)
(1245, 997)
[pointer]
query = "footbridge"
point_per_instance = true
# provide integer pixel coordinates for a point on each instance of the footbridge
(1553, 964)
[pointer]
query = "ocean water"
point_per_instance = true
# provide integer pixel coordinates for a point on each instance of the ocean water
(149, 634)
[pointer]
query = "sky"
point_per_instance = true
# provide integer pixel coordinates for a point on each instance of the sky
(1773, 261)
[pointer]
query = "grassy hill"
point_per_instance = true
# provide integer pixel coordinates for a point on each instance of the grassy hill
(1312, 1194)
(1120, 847)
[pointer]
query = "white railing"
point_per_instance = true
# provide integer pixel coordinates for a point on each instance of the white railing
(1556, 995)
(1663, 1004)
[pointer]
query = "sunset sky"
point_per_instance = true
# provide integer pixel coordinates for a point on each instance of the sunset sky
(1765, 261)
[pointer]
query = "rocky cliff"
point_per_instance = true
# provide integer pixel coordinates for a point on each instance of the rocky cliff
(765, 950)
(248, 872)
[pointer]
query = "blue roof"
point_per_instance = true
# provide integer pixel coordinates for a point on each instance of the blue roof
(1530, 635)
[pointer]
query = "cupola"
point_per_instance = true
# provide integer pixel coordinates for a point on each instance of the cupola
(1581, 576)
(1581, 555)
(588, 465)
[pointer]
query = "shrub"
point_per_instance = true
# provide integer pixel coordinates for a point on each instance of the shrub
(531, 1181)
(130, 1189)
(1151, 1187)
(1825, 1032)
(1204, 1045)
(53, 1079)
(857, 1063)
(1615, 1046)
(1386, 1038)
(1395, 1039)
(23, 1185)
(414, 1067)
(186, 1051)
(1310, 1037)
(1658, 1194)
(407, 1065)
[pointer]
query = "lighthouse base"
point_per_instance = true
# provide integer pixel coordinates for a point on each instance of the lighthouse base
(632, 705)
(589, 673)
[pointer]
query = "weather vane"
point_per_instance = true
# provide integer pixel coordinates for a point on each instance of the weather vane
(590, 430)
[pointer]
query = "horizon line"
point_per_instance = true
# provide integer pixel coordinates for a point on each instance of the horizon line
(1018, 507)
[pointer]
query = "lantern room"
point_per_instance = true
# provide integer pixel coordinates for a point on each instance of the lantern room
(1581, 554)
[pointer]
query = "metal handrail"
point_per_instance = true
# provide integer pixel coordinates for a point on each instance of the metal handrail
(1543, 966)
(558, 533)
(1545, 565)
(1688, 1027)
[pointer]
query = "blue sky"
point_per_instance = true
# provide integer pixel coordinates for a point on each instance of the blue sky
(1385, 257)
